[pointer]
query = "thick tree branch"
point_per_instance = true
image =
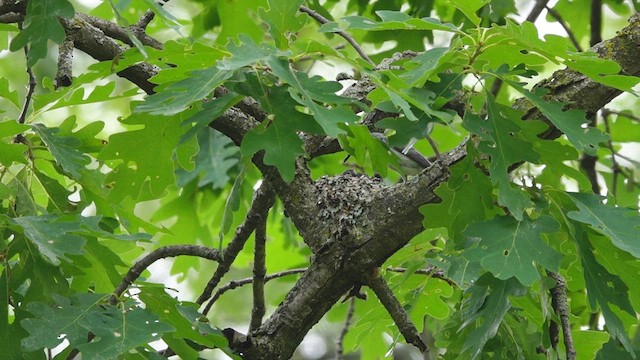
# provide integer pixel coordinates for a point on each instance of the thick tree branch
(577, 90)
(94, 42)
(117, 32)
(64, 75)
(349, 239)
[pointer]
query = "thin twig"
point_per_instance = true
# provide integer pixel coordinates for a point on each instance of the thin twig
(537, 9)
(237, 283)
(554, 14)
(161, 253)
(259, 272)
(397, 312)
(533, 16)
(323, 20)
(31, 86)
(262, 202)
(146, 18)
(431, 271)
(606, 112)
(345, 328)
(559, 293)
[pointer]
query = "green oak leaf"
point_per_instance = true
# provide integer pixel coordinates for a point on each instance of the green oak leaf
(9, 151)
(143, 159)
(606, 72)
(620, 263)
(188, 322)
(466, 198)
(210, 110)
(362, 145)
(433, 299)
(278, 137)
(621, 225)
(390, 20)
(469, 8)
(118, 331)
(64, 149)
(217, 155)
(501, 139)
(604, 289)
(24, 203)
(58, 195)
(51, 325)
(588, 343)
(178, 96)
(487, 306)
(308, 91)
(422, 67)
(53, 238)
(555, 156)
(8, 94)
(42, 25)
(570, 122)
(284, 20)
(76, 96)
(237, 19)
(511, 248)
(89, 142)
(99, 264)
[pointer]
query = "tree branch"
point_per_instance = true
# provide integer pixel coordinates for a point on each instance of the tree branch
(259, 272)
(431, 271)
(559, 293)
(64, 75)
(30, 89)
(537, 9)
(161, 253)
(554, 14)
(237, 283)
(263, 200)
(397, 312)
(345, 328)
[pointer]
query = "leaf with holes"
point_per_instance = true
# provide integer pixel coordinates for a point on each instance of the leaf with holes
(572, 123)
(508, 247)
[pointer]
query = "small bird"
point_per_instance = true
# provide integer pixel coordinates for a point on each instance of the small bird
(410, 159)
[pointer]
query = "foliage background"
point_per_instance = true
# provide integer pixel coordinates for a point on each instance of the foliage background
(95, 174)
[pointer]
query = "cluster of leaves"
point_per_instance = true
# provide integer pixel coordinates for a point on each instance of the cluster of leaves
(493, 237)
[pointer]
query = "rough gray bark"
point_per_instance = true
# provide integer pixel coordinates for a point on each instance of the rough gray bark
(351, 223)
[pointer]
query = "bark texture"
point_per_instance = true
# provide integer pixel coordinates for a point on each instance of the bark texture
(352, 223)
